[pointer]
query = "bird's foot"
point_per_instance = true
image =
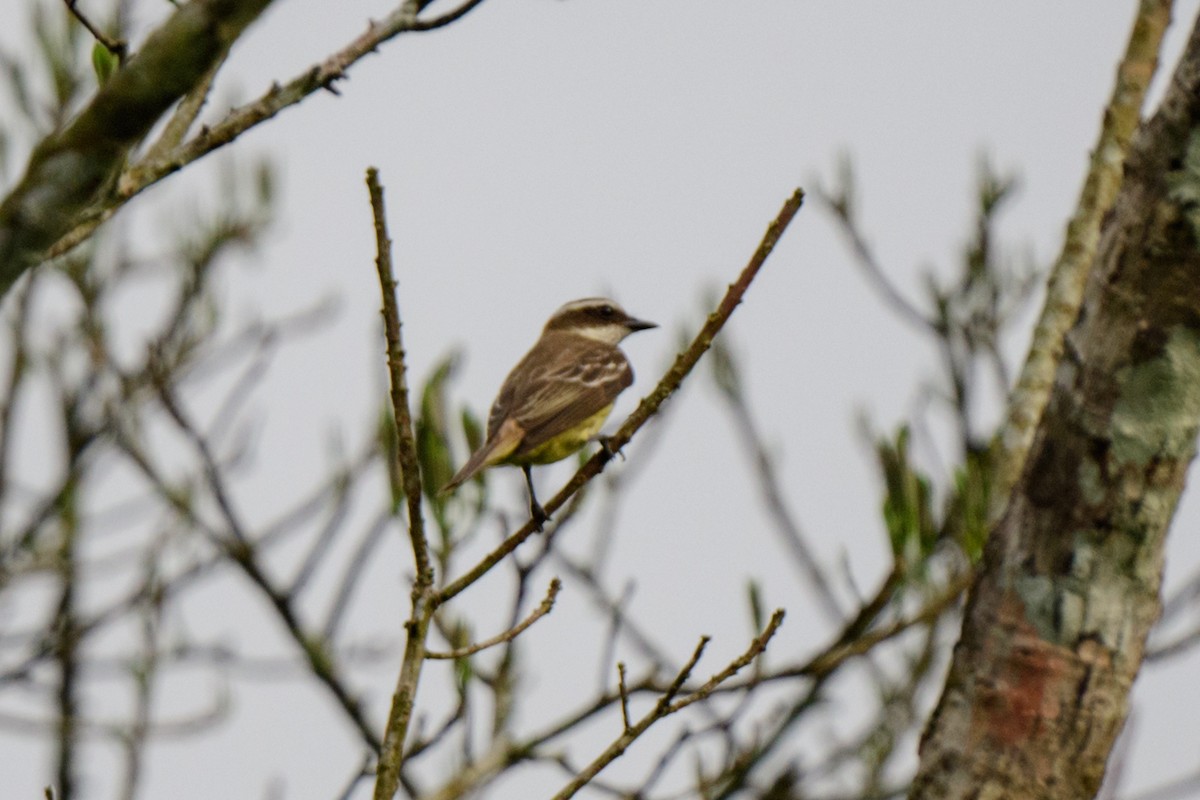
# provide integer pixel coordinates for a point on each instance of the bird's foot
(606, 445)
(538, 515)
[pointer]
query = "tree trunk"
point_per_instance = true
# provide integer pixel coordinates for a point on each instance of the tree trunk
(1056, 625)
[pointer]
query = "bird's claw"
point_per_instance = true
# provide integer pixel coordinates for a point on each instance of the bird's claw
(606, 446)
(538, 515)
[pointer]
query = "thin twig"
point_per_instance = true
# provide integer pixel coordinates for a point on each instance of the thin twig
(508, 635)
(445, 19)
(349, 579)
(621, 622)
(752, 652)
(649, 405)
(363, 771)
(851, 645)
(646, 784)
(789, 530)
(1177, 646)
(624, 695)
(68, 642)
(338, 511)
(18, 361)
(681, 677)
(185, 115)
(472, 778)
(144, 673)
(406, 452)
(118, 47)
(840, 203)
(322, 76)
(240, 548)
(175, 583)
(391, 757)
(667, 705)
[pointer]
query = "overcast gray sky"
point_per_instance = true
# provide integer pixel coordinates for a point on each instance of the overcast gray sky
(544, 150)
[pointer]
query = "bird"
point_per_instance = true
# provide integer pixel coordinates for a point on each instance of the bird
(555, 400)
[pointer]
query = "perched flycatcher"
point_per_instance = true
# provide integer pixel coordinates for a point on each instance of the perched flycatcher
(557, 397)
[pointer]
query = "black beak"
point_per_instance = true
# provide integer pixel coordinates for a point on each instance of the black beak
(639, 324)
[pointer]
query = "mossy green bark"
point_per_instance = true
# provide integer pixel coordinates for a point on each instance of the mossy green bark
(68, 172)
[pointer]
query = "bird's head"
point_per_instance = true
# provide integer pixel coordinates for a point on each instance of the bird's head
(596, 318)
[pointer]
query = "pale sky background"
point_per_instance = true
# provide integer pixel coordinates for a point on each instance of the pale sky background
(544, 150)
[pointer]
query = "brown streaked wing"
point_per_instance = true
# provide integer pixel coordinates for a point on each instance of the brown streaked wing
(586, 378)
(551, 353)
(529, 369)
(503, 402)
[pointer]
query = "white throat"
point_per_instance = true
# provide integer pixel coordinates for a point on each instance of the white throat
(608, 334)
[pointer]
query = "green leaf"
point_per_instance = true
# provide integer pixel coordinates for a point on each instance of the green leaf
(472, 430)
(264, 183)
(460, 636)
(386, 436)
(433, 447)
(463, 671)
(104, 62)
(971, 504)
(907, 503)
(724, 369)
(757, 617)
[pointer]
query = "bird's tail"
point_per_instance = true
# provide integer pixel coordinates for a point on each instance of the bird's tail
(498, 447)
(475, 463)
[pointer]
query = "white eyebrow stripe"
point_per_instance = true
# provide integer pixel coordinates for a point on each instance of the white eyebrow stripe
(587, 302)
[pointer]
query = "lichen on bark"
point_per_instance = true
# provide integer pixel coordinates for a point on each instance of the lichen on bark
(1055, 628)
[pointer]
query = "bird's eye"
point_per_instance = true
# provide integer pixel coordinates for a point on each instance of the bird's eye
(607, 311)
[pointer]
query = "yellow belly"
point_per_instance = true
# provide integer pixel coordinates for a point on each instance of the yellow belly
(566, 443)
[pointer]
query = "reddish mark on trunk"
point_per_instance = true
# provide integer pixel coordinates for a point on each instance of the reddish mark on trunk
(1029, 678)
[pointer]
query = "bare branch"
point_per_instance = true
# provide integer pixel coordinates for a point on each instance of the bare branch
(240, 548)
(624, 695)
(391, 757)
(476, 774)
(118, 47)
(322, 76)
(181, 121)
(410, 471)
(508, 635)
(667, 705)
(840, 201)
(70, 170)
(349, 580)
(856, 640)
(681, 677)
(447, 18)
(621, 622)
(767, 476)
(67, 647)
